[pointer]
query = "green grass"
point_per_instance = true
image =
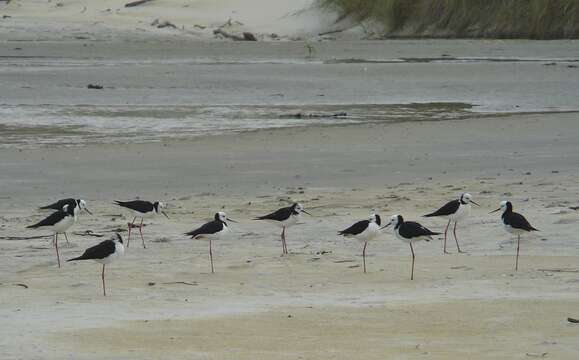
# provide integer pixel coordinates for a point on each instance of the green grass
(533, 19)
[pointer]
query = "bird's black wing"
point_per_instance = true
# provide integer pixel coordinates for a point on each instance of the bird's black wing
(518, 221)
(50, 220)
(279, 215)
(411, 229)
(99, 251)
(355, 229)
(60, 204)
(209, 228)
(449, 208)
(137, 205)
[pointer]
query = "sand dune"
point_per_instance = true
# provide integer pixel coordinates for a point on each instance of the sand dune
(69, 19)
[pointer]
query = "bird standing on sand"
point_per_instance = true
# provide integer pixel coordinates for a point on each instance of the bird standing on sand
(104, 253)
(59, 222)
(409, 232)
(514, 223)
(364, 231)
(142, 209)
(285, 217)
(213, 230)
(77, 204)
(455, 211)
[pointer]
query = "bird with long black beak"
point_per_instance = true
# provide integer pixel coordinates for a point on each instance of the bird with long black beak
(514, 223)
(213, 230)
(285, 217)
(455, 211)
(142, 209)
(409, 232)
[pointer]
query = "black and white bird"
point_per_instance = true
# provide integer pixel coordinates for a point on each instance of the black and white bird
(58, 222)
(409, 232)
(77, 204)
(141, 209)
(213, 230)
(364, 231)
(285, 217)
(455, 211)
(104, 253)
(514, 223)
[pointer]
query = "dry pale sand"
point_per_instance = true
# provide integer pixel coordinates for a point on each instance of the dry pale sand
(41, 20)
(315, 303)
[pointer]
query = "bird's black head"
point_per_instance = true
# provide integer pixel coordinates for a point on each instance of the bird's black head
(119, 237)
(217, 216)
(377, 219)
(508, 206)
(400, 220)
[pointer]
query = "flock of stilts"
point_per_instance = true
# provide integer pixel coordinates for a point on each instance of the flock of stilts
(366, 230)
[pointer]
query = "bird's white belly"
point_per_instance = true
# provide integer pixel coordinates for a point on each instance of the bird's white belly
(462, 213)
(512, 230)
(63, 225)
(144, 216)
(292, 220)
(371, 232)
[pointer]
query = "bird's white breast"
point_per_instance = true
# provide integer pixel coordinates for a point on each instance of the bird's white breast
(64, 224)
(461, 213)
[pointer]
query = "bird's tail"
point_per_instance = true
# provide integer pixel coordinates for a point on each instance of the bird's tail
(77, 258)
(33, 226)
(430, 215)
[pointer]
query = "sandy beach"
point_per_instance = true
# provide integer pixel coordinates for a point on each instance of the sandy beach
(206, 124)
(316, 302)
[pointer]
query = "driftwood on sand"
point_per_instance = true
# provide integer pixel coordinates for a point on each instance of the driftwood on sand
(247, 36)
(137, 3)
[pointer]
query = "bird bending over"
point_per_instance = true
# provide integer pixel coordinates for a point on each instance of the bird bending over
(141, 209)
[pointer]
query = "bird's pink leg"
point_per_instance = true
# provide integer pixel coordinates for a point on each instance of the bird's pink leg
(283, 243)
(211, 257)
(412, 273)
(130, 225)
(141, 232)
(517, 259)
(103, 277)
(445, 232)
(56, 247)
(364, 255)
(456, 239)
(66, 237)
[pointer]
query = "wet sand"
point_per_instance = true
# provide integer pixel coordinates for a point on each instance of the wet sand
(316, 302)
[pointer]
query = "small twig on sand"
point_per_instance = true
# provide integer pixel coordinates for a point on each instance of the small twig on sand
(330, 32)
(88, 233)
(24, 237)
(180, 282)
(137, 3)
(22, 285)
(572, 320)
(561, 270)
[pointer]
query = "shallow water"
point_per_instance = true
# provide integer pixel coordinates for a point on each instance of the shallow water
(155, 91)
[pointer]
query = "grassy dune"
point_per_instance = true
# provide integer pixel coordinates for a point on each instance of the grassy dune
(534, 19)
